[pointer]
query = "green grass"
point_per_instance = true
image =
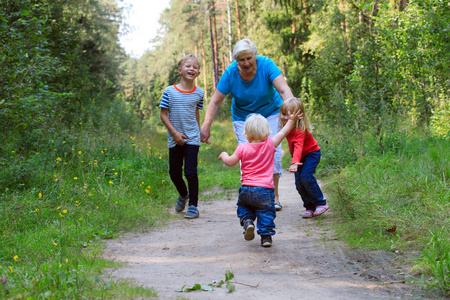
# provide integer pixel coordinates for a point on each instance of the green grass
(61, 200)
(408, 188)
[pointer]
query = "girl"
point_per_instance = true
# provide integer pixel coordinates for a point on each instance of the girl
(256, 195)
(305, 157)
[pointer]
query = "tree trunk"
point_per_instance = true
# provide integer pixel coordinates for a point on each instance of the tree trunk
(205, 86)
(196, 54)
(238, 19)
(213, 54)
(216, 48)
(230, 38)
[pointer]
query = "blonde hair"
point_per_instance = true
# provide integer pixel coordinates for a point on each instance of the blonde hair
(292, 104)
(189, 56)
(256, 127)
(244, 46)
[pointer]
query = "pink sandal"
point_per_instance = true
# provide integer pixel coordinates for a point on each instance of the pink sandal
(307, 214)
(320, 210)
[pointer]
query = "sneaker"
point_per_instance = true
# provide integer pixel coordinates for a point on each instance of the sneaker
(249, 230)
(266, 240)
(320, 210)
(278, 206)
(308, 214)
(181, 203)
(192, 212)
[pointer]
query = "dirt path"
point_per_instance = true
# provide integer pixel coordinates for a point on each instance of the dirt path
(306, 261)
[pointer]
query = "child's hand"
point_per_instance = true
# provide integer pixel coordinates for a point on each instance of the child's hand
(179, 139)
(294, 167)
(295, 116)
(223, 155)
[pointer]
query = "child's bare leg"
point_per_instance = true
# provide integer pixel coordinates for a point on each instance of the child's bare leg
(276, 179)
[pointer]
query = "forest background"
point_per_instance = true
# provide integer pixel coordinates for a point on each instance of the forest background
(82, 152)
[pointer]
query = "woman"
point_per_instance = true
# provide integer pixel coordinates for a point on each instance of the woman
(257, 86)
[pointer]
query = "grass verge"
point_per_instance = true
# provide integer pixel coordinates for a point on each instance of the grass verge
(399, 200)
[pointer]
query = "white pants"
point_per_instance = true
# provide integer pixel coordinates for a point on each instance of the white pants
(239, 129)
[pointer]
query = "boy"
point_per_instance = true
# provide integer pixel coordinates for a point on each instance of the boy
(256, 199)
(180, 105)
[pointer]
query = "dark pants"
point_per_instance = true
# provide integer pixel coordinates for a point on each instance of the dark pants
(257, 203)
(189, 155)
(306, 183)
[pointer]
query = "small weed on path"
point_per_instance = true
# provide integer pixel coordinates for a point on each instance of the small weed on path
(215, 283)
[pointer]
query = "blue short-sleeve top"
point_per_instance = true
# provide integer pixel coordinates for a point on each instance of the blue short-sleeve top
(255, 96)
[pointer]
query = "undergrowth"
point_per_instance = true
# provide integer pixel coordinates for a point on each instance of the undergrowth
(399, 200)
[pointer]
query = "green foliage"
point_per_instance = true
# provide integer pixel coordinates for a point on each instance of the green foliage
(57, 57)
(404, 186)
(436, 261)
(67, 196)
(210, 287)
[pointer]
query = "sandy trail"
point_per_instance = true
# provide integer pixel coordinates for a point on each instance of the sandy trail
(306, 260)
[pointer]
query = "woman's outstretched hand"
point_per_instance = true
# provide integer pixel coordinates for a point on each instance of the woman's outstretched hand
(204, 135)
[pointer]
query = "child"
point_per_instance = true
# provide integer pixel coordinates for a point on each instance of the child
(180, 105)
(305, 157)
(256, 195)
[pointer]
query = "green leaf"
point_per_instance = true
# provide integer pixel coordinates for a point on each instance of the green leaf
(207, 287)
(228, 275)
(231, 287)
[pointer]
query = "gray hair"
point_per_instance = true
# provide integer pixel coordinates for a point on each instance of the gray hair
(244, 45)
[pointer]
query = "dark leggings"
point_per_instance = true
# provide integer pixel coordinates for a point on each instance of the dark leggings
(189, 155)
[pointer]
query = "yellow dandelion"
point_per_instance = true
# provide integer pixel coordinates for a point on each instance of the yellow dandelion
(40, 195)
(79, 152)
(116, 173)
(10, 269)
(58, 159)
(64, 142)
(37, 209)
(16, 258)
(147, 191)
(60, 265)
(67, 260)
(75, 178)
(55, 244)
(58, 207)
(65, 211)
(110, 182)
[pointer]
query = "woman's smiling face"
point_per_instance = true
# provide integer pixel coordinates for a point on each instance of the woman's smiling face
(246, 62)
